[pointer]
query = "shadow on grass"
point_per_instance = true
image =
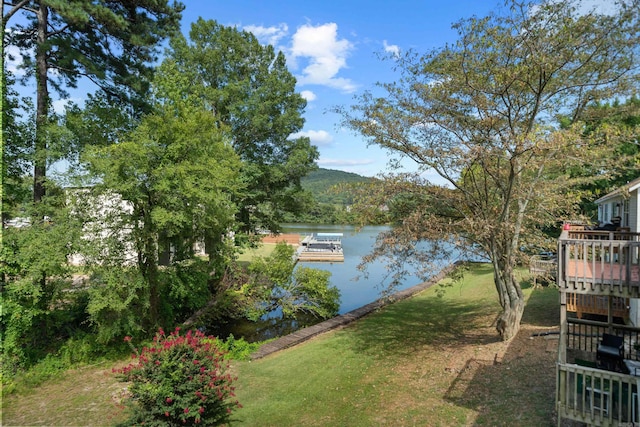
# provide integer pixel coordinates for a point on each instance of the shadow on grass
(521, 386)
(420, 321)
(543, 308)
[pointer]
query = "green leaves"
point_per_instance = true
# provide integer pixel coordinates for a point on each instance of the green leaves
(252, 94)
(178, 175)
(275, 283)
(180, 379)
(481, 115)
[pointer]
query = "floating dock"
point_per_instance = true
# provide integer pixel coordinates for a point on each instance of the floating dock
(321, 247)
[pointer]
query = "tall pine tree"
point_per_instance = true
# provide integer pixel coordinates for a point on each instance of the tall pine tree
(111, 43)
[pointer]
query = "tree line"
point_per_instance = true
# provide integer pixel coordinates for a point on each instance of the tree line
(171, 169)
(530, 113)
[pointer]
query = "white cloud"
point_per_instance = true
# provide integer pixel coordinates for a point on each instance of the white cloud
(268, 35)
(393, 49)
(317, 137)
(325, 56)
(13, 60)
(308, 95)
(59, 104)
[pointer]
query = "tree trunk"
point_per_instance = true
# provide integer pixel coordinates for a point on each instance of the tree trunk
(148, 265)
(212, 246)
(511, 298)
(42, 106)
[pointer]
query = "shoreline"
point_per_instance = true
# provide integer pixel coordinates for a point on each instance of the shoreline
(309, 332)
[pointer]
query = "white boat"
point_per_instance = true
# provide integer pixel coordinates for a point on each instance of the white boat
(321, 247)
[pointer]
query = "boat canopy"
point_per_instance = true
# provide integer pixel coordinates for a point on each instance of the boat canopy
(328, 235)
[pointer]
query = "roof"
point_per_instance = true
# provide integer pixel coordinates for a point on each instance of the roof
(630, 187)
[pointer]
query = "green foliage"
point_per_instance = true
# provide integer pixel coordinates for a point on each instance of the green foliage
(36, 309)
(86, 33)
(616, 126)
(253, 94)
(178, 175)
(273, 284)
(237, 349)
(80, 349)
(333, 192)
(179, 379)
(308, 292)
(328, 185)
(118, 300)
(481, 113)
(185, 285)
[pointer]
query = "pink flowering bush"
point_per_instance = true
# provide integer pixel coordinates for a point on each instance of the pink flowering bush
(179, 380)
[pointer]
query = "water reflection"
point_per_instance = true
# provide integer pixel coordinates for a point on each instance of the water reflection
(355, 291)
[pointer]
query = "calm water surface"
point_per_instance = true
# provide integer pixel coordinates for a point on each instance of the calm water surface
(355, 290)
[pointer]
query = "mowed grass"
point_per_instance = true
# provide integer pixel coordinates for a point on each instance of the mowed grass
(263, 250)
(426, 361)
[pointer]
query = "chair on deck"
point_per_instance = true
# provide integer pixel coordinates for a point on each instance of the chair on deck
(610, 353)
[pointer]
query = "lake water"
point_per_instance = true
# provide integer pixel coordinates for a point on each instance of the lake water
(355, 291)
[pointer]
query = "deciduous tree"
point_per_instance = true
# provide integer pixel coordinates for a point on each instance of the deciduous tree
(178, 173)
(252, 93)
(481, 114)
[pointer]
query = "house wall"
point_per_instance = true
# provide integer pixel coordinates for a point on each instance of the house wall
(628, 210)
(634, 220)
(614, 206)
(105, 223)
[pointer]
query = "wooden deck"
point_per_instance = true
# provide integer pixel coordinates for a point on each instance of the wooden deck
(599, 266)
(596, 397)
(320, 256)
(598, 272)
(597, 304)
(289, 238)
(592, 270)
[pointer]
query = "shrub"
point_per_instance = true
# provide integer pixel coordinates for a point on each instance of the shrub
(179, 380)
(238, 348)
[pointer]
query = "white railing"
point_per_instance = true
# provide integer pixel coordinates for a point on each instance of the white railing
(590, 262)
(596, 397)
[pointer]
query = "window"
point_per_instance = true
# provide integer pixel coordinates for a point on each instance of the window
(625, 213)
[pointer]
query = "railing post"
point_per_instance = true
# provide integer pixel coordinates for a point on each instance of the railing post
(610, 313)
(561, 397)
(562, 340)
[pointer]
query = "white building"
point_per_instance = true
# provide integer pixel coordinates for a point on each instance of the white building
(622, 203)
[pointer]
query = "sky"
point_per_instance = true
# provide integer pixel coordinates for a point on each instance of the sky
(333, 49)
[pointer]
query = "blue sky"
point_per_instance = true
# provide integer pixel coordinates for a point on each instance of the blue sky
(332, 48)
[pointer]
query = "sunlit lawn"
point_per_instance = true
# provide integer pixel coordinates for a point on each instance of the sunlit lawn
(264, 250)
(425, 361)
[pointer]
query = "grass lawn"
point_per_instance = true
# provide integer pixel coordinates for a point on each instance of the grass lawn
(425, 361)
(264, 250)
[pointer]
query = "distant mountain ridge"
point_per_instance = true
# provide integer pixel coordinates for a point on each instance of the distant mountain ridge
(321, 182)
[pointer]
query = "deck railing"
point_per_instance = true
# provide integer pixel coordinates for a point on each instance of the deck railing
(599, 262)
(584, 335)
(597, 304)
(596, 397)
